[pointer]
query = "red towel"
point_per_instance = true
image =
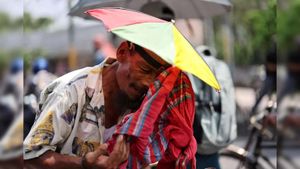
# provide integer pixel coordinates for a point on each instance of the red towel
(162, 128)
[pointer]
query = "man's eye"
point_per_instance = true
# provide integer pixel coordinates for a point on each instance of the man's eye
(146, 70)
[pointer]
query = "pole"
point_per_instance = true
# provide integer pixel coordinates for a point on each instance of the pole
(72, 53)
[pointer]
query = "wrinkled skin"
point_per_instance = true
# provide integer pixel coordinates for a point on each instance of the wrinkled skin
(134, 74)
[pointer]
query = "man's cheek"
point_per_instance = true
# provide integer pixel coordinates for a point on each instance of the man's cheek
(134, 75)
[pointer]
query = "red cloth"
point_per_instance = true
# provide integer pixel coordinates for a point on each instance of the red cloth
(162, 128)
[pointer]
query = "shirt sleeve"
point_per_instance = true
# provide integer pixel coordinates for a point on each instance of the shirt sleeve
(53, 124)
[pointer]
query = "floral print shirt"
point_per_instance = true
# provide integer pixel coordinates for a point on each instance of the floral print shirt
(71, 115)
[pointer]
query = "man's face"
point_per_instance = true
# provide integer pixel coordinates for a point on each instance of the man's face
(134, 74)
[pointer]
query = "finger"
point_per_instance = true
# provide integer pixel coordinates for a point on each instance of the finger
(122, 144)
(101, 150)
(102, 161)
(120, 152)
(118, 143)
(127, 148)
(123, 151)
(127, 151)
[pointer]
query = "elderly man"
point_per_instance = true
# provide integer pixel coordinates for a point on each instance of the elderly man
(79, 110)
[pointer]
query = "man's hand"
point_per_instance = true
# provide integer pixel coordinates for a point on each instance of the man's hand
(119, 154)
(90, 160)
(99, 159)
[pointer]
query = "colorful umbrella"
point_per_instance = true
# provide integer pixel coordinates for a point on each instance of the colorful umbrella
(158, 36)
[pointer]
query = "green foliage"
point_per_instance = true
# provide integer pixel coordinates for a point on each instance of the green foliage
(26, 22)
(31, 24)
(288, 25)
(262, 26)
(6, 23)
(253, 24)
(4, 60)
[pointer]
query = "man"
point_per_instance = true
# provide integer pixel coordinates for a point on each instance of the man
(269, 85)
(78, 112)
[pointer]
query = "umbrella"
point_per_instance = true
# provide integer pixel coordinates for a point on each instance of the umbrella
(184, 9)
(158, 36)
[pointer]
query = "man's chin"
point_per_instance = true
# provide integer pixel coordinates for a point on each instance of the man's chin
(135, 101)
(135, 98)
(135, 105)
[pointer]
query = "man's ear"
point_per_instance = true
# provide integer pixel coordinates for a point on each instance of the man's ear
(123, 52)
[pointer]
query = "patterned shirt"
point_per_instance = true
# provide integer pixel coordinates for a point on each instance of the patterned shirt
(71, 117)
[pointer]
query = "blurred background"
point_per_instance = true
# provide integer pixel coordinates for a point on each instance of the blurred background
(258, 39)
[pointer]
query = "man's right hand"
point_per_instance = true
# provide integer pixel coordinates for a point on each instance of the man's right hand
(99, 159)
(90, 160)
(119, 154)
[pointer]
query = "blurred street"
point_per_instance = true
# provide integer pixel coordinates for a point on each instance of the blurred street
(227, 163)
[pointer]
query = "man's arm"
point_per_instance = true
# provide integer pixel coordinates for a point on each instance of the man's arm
(92, 160)
(51, 160)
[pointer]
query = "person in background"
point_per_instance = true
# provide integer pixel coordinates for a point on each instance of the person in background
(11, 95)
(292, 81)
(11, 116)
(159, 9)
(13, 83)
(215, 119)
(41, 77)
(102, 49)
(269, 84)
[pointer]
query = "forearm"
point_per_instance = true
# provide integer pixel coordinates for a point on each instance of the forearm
(97, 159)
(51, 160)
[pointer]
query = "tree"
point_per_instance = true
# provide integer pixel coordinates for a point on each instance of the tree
(288, 25)
(25, 23)
(5, 22)
(31, 24)
(253, 24)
